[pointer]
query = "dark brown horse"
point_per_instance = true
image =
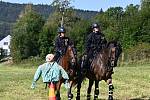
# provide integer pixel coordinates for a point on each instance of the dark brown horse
(68, 62)
(101, 68)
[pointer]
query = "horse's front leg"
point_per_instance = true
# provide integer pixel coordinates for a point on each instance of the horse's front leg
(96, 93)
(111, 87)
(89, 89)
(79, 82)
(58, 85)
(78, 90)
(70, 95)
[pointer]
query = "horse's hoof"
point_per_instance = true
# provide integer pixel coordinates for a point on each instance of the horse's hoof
(110, 98)
(88, 97)
(70, 96)
(58, 98)
(78, 98)
(95, 98)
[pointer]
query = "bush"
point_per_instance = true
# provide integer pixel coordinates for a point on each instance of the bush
(2, 54)
(30, 62)
(138, 54)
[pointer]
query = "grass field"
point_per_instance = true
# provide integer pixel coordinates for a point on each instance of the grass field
(131, 82)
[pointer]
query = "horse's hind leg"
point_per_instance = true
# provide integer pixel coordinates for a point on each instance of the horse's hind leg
(96, 92)
(89, 89)
(111, 87)
(78, 91)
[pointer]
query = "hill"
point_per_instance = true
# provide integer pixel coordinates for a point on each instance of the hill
(9, 13)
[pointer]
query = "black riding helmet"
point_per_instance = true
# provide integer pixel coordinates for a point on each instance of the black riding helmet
(95, 25)
(61, 30)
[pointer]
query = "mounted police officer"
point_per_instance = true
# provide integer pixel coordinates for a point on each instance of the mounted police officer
(61, 44)
(94, 43)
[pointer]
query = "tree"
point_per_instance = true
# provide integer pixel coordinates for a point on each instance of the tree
(54, 21)
(143, 35)
(121, 25)
(2, 54)
(79, 32)
(111, 22)
(130, 25)
(114, 16)
(25, 36)
(47, 35)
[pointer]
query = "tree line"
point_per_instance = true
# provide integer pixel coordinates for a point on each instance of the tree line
(9, 13)
(34, 36)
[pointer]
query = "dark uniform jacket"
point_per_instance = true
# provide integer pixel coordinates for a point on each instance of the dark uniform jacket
(95, 42)
(61, 43)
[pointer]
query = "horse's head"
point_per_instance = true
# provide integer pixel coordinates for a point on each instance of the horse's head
(71, 55)
(114, 53)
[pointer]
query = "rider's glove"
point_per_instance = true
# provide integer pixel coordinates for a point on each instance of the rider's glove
(33, 85)
(60, 52)
(67, 85)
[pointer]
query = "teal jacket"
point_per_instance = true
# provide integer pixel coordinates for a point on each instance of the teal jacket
(50, 72)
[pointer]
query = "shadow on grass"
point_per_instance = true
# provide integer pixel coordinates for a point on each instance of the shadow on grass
(141, 98)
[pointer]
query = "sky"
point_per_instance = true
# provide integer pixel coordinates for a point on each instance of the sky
(94, 5)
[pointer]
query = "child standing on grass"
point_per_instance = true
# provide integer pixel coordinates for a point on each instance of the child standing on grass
(51, 72)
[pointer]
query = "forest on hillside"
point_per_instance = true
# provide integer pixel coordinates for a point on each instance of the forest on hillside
(33, 35)
(9, 13)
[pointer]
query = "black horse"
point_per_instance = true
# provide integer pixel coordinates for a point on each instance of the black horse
(101, 68)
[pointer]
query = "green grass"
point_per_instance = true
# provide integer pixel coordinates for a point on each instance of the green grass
(130, 83)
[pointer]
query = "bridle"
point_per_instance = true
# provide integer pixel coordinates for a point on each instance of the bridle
(112, 55)
(72, 56)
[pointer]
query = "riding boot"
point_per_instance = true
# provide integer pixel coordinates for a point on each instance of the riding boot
(57, 56)
(86, 64)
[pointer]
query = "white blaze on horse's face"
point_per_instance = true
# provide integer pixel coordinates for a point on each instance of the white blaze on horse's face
(113, 53)
(73, 60)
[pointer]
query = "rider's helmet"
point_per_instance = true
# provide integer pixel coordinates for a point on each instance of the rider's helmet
(95, 25)
(61, 30)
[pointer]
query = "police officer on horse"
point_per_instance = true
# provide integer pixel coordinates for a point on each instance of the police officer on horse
(61, 44)
(94, 43)
(66, 56)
